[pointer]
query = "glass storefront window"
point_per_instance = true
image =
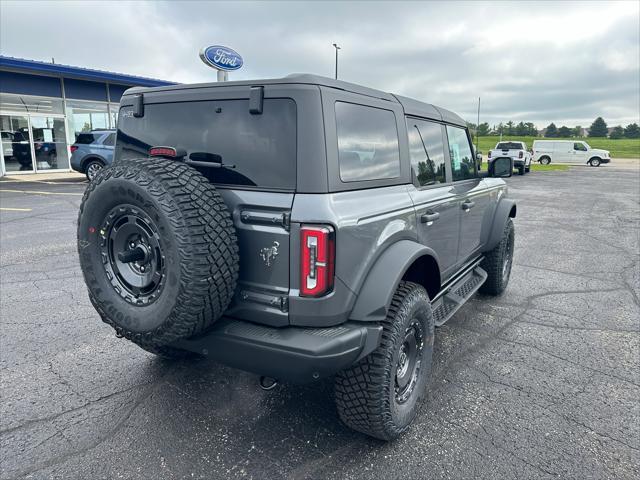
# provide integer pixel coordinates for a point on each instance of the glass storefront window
(113, 112)
(86, 116)
(49, 143)
(30, 104)
(16, 147)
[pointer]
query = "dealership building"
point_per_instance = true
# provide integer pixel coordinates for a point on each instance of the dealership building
(45, 106)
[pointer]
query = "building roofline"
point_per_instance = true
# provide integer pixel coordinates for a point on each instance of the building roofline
(34, 66)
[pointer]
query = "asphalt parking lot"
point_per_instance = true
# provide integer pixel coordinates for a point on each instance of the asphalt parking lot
(542, 382)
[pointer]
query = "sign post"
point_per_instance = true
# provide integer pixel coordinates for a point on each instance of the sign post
(223, 59)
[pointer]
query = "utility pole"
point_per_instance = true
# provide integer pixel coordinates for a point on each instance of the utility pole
(478, 127)
(337, 48)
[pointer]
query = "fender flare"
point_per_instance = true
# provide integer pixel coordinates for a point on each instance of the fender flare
(505, 209)
(382, 281)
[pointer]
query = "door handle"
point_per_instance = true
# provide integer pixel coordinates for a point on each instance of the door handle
(468, 205)
(429, 217)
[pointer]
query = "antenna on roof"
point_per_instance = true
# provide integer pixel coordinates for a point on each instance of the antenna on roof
(53, 60)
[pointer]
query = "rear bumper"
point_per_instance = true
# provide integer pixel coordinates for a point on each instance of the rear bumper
(294, 354)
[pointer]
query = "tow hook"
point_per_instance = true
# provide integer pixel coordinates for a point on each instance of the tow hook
(268, 383)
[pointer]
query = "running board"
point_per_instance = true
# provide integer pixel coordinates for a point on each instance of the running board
(457, 295)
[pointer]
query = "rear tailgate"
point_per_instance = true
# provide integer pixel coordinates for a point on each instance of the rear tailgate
(251, 161)
(262, 225)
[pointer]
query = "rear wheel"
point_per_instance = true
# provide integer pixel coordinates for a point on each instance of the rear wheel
(545, 160)
(595, 162)
(158, 251)
(379, 396)
(521, 170)
(92, 169)
(498, 262)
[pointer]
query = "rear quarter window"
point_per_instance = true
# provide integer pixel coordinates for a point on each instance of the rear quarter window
(86, 138)
(367, 143)
(257, 150)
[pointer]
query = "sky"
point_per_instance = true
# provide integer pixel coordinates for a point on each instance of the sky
(528, 61)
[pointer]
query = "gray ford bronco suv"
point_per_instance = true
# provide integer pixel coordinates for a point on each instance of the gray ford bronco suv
(297, 228)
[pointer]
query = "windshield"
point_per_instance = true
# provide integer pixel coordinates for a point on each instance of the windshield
(586, 145)
(510, 146)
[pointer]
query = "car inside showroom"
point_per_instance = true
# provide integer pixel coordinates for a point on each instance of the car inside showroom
(45, 106)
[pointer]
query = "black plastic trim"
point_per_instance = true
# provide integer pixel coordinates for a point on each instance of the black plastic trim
(294, 354)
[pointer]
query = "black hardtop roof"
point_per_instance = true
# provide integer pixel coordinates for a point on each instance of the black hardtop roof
(411, 106)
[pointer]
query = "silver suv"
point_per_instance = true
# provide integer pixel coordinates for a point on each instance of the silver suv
(298, 228)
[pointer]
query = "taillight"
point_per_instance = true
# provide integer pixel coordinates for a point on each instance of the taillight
(162, 152)
(74, 148)
(520, 155)
(317, 260)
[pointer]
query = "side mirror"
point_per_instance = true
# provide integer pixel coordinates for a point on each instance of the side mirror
(501, 167)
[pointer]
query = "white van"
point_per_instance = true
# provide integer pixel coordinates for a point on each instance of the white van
(568, 151)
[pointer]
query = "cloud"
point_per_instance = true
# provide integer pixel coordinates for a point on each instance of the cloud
(540, 62)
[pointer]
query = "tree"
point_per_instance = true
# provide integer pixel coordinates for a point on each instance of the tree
(552, 131)
(577, 131)
(509, 129)
(617, 132)
(521, 129)
(598, 128)
(483, 129)
(564, 132)
(632, 131)
(532, 131)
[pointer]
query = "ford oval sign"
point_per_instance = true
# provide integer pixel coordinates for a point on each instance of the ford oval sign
(221, 58)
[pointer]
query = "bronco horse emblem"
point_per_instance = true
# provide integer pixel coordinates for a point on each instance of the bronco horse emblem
(269, 254)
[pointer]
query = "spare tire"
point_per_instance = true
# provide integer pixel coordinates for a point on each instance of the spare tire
(158, 250)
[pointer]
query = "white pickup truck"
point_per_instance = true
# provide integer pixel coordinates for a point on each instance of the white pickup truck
(515, 150)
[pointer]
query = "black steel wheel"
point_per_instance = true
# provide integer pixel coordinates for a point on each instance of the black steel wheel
(380, 395)
(498, 262)
(409, 361)
(158, 251)
(132, 252)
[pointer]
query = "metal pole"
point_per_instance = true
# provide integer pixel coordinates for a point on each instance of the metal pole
(337, 48)
(223, 76)
(478, 127)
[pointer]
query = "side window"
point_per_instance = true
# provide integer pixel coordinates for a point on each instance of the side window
(462, 165)
(367, 143)
(110, 140)
(579, 147)
(427, 151)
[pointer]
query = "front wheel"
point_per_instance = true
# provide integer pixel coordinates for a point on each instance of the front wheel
(498, 262)
(595, 162)
(545, 161)
(379, 396)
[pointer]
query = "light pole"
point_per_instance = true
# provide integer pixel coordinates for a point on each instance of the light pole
(337, 48)
(478, 128)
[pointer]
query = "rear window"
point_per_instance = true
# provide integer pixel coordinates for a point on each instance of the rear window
(257, 150)
(87, 138)
(367, 143)
(509, 146)
(110, 140)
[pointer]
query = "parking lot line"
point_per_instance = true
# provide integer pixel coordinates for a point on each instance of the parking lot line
(37, 192)
(10, 209)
